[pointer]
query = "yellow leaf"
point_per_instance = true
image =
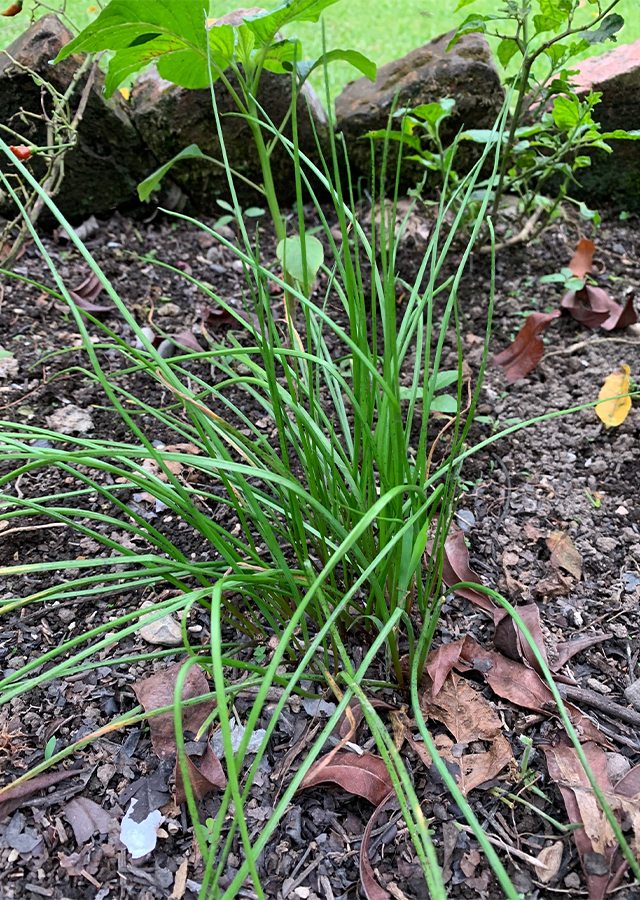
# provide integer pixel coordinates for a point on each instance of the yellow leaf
(126, 93)
(613, 412)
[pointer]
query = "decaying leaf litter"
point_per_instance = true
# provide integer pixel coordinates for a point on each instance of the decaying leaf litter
(551, 521)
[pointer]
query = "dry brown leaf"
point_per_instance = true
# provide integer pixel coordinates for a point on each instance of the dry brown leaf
(620, 316)
(551, 859)
(455, 568)
(567, 649)
(527, 349)
(13, 797)
(523, 686)
(209, 777)
(563, 554)
(595, 841)
(592, 306)
(509, 639)
(366, 775)
(158, 691)
(441, 661)
(582, 260)
(372, 890)
(614, 410)
(85, 294)
(86, 818)
(461, 709)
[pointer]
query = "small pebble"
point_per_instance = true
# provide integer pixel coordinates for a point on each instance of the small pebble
(617, 767)
(622, 511)
(632, 694)
(596, 685)
(572, 881)
(169, 310)
(571, 457)
(466, 519)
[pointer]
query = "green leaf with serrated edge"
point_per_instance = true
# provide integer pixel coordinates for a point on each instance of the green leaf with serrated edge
(605, 31)
(353, 57)
(153, 181)
(122, 21)
(265, 25)
(444, 404)
(507, 49)
(620, 135)
(289, 252)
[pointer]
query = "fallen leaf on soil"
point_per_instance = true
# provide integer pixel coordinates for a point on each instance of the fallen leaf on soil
(551, 859)
(220, 317)
(70, 419)
(523, 686)
(87, 859)
(469, 717)
(13, 797)
(582, 260)
(455, 568)
(614, 410)
(180, 882)
(527, 349)
(140, 838)
(343, 726)
(157, 691)
(370, 886)
(595, 841)
(591, 306)
(85, 294)
(441, 661)
(400, 724)
(557, 586)
(567, 649)
(86, 818)
(209, 777)
(366, 775)
(621, 316)
(187, 339)
(509, 639)
(563, 554)
(151, 791)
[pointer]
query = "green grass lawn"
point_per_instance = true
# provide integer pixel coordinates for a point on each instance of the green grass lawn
(381, 29)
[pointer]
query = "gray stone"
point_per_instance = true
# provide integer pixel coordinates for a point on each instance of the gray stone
(632, 694)
(104, 168)
(617, 767)
(616, 74)
(466, 73)
(164, 632)
(169, 118)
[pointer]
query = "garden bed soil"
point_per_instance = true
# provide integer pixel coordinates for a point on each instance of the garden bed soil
(566, 474)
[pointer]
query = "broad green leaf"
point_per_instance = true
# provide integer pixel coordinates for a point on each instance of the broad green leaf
(613, 411)
(443, 379)
(289, 252)
(507, 49)
(245, 42)
(432, 112)
(463, 3)
(605, 31)
(444, 403)
(556, 9)
(254, 211)
(546, 23)
(153, 181)
(280, 56)
(353, 57)
(566, 112)
(265, 25)
(381, 134)
(124, 21)
(472, 23)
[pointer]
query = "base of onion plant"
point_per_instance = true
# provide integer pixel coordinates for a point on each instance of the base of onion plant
(330, 516)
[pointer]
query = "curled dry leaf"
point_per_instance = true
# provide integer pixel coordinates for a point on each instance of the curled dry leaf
(85, 294)
(371, 888)
(13, 797)
(527, 349)
(563, 554)
(595, 841)
(591, 306)
(567, 649)
(620, 316)
(614, 408)
(550, 859)
(366, 776)
(455, 568)
(209, 777)
(510, 640)
(158, 691)
(87, 818)
(582, 260)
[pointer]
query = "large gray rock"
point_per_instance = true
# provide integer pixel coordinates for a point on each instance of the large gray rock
(102, 171)
(616, 176)
(169, 118)
(466, 73)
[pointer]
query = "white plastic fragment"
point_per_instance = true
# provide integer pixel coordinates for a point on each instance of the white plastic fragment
(237, 733)
(140, 838)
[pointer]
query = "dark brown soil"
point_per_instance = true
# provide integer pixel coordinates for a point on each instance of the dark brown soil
(568, 474)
